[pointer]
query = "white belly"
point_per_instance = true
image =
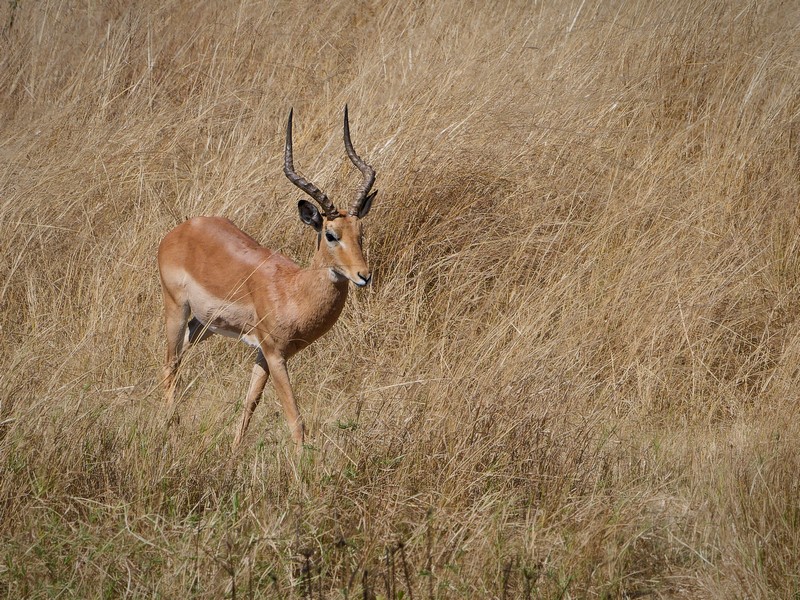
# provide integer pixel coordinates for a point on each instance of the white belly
(247, 338)
(220, 316)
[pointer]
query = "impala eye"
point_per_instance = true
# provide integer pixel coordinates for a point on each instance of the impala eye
(331, 237)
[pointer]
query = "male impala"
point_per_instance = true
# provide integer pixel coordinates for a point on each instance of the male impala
(232, 286)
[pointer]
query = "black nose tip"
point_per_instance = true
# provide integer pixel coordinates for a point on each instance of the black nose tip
(366, 278)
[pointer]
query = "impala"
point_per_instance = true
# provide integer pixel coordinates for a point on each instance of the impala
(217, 279)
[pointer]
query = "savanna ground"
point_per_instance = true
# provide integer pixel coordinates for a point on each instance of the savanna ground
(577, 371)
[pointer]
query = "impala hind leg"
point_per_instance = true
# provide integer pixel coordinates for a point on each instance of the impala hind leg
(180, 335)
(196, 332)
(257, 382)
(176, 314)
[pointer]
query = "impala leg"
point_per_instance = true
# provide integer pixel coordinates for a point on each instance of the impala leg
(280, 379)
(257, 382)
(196, 332)
(180, 335)
(175, 317)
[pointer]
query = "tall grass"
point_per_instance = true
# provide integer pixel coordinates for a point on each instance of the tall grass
(576, 371)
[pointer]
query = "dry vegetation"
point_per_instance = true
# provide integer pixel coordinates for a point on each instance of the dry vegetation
(575, 375)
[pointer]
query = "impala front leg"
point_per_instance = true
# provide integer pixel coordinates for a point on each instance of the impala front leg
(257, 382)
(280, 379)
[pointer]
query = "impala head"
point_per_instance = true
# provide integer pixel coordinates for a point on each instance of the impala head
(338, 231)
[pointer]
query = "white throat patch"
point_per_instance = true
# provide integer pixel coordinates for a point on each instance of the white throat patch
(335, 275)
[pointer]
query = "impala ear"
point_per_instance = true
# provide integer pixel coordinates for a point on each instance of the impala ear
(310, 215)
(366, 205)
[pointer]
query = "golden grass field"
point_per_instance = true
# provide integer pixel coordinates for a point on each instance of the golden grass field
(576, 373)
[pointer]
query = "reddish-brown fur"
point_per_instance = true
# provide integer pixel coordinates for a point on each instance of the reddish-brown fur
(253, 292)
(217, 279)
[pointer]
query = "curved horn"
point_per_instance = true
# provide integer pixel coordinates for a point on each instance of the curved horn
(366, 170)
(305, 185)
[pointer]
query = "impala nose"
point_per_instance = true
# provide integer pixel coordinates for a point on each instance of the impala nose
(365, 279)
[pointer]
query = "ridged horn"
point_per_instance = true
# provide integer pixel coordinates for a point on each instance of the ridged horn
(366, 170)
(305, 185)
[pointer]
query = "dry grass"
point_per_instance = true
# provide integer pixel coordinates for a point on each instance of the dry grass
(576, 374)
